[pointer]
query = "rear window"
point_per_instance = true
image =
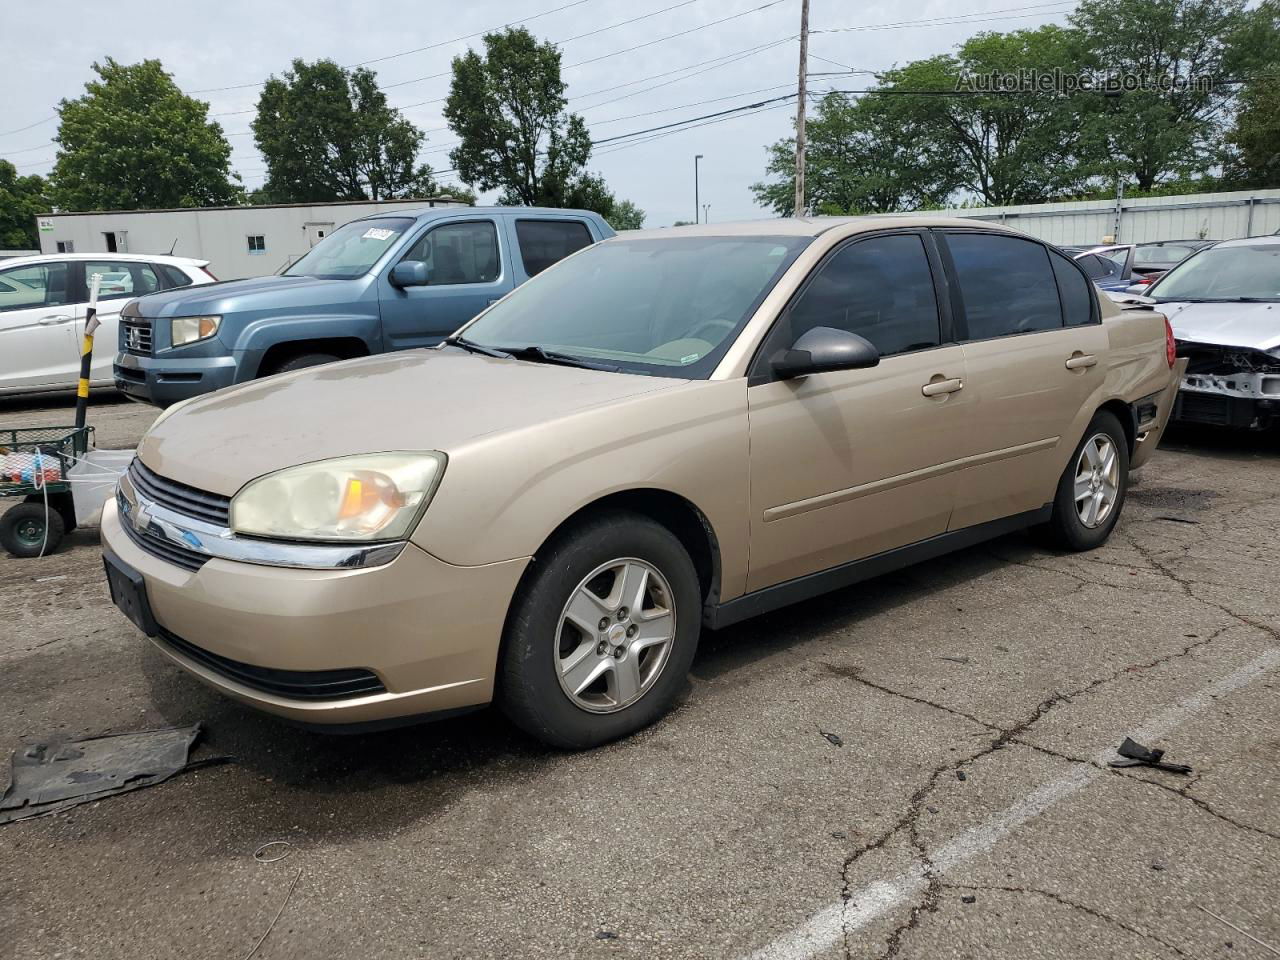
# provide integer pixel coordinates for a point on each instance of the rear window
(544, 242)
(172, 276)
(1006, 283)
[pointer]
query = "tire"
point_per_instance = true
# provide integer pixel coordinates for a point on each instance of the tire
(303, 360)
(631, 689)
(23, 530)
(1070, 527)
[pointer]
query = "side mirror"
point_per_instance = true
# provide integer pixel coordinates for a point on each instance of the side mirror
(825, 348)
(408, 273)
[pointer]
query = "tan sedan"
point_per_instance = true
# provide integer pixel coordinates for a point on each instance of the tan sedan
(669, 430)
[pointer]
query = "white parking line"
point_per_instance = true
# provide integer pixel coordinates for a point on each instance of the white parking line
(828, 926)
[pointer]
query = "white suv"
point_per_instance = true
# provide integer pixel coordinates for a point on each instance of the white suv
(43, 301)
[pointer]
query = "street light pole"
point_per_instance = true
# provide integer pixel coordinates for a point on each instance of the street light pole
(802, 95)
(696, 208)
(706, 213)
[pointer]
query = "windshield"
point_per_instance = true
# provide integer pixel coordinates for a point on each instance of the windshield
(1224, 273)
(665, 306)
(350, 251)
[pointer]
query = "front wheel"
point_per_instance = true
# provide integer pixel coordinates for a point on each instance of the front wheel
(601, 636)
(1092, 489)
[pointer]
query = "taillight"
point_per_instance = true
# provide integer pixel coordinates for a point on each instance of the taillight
(1170, 345)
(1148, 278)
(210, 273)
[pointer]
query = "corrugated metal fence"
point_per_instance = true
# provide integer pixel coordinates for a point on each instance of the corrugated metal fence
(1210, 216)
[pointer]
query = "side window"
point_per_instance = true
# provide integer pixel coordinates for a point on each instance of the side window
(465, 252)
(122, 278)
(35, 285)
(1075, 292)
(544, 242)
(172, 276)
(880, 288)
(1006, 284)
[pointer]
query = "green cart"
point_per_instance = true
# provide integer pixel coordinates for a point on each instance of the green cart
(34, 465)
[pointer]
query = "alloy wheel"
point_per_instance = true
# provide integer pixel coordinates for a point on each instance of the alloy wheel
(1097, 483)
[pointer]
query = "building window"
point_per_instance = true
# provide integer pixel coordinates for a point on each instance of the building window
(257, 244)
(66, 246)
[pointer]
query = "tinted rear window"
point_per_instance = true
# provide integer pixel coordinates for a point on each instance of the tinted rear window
(1006, 283)
(544, 242)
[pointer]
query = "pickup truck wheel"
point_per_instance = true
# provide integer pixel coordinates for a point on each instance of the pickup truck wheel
(303, 360)
(600, 638)
(26, 529)
(1092, 489)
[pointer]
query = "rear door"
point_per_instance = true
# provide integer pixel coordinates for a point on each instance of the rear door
(123, 280)
(466, 271)
(542, 241)
(851, 463)
(1034, 348)
(36, 322)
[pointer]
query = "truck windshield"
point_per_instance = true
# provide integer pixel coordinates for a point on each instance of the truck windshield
(350, 251)
(668, 307)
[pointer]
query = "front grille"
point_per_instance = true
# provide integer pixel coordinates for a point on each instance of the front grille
(180, 498)
(1204, 408)
(294, 684)
(136, 336)
(157, 546)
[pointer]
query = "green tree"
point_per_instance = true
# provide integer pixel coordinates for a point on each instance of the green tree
(327, 133)
(863, 156)
(1253, 152)
(135, 141)
(508, 109)
(22, 199)
(1158, 132)
(625, 215)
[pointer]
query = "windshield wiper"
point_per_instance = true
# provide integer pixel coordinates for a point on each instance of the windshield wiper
(472, 347)
(538, 354)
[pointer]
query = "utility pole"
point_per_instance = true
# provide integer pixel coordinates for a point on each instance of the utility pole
(696, 158)
(802, 95)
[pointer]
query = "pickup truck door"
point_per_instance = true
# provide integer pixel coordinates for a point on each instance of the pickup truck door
(468, 268)
(36, 321)
(1035, 354)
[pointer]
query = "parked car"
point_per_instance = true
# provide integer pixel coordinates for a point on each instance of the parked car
(1110, 268)
(1153, 260)
(548, 508)
(42, 312)
(385, 282)
(1224, 304)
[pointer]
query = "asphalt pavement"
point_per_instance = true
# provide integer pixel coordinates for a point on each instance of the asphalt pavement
(914, 767)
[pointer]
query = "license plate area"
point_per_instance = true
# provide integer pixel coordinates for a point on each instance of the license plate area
(129, 593)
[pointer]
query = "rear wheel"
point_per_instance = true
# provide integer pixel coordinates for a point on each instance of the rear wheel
(600, 639)
(28, 530)
(1092, 489)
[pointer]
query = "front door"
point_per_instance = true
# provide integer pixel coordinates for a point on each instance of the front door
(848, 464)
(37, 345)
(465, 273)
(1033, 355)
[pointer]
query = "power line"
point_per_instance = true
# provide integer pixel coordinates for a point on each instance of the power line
(981, 16)
(29, 126)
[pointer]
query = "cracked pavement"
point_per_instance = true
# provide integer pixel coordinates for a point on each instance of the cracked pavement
(967, 811)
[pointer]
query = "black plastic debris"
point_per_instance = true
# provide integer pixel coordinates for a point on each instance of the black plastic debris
(960, 775)
(606, 935)
(969, 899)
(1135, 754)
(832, 738)
(59, 773)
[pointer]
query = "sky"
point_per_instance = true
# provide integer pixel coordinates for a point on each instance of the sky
(691, 58)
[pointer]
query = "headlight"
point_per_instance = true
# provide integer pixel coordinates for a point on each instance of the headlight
(184, 330)
(376, 496)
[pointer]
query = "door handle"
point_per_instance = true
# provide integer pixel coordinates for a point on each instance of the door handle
(52, 320)
(936, 388)
(1079, 361)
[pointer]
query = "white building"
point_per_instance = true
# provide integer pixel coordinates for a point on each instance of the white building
(237, 241)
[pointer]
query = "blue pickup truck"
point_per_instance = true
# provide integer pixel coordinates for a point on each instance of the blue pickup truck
(385, 282)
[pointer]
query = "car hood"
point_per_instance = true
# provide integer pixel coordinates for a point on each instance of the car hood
(230, 296)
(1255, 325)
(416, 400)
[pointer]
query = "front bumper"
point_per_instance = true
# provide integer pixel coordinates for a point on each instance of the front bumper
(166, 381)
(1243, 401)
(427, 630)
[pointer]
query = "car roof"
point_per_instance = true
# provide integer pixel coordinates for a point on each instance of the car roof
(434, 213)
(103, 255)
(813, 226)
(1249, 242)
